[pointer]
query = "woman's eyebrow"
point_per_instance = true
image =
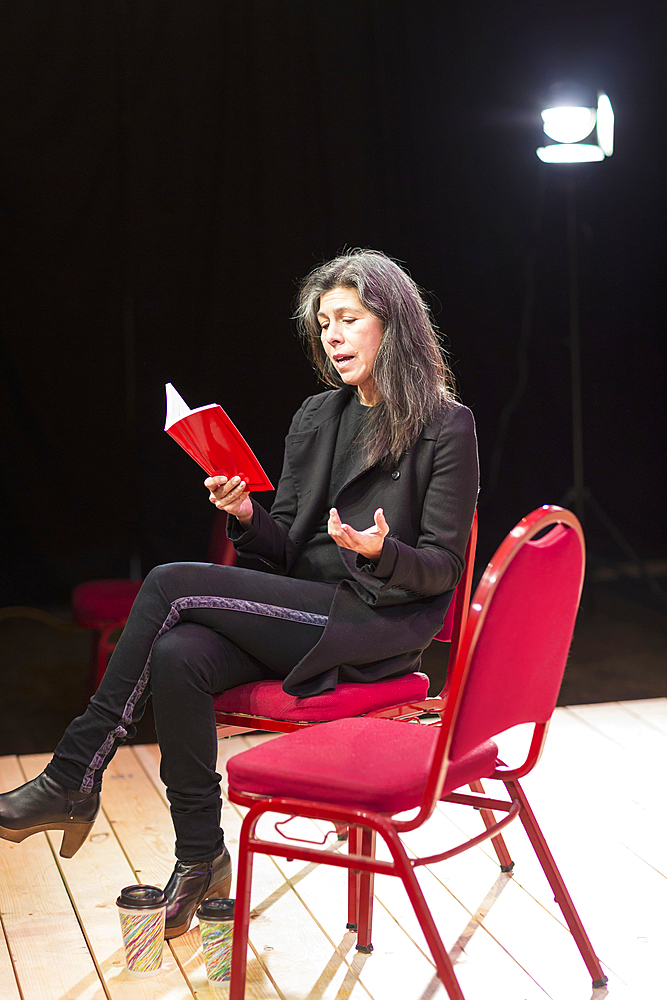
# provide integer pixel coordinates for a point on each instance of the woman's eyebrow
(338, 310)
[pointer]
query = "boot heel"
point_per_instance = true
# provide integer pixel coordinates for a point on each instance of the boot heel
(221, 889)
(74, 837)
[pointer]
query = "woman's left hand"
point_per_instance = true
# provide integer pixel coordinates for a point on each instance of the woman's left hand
(367, 543)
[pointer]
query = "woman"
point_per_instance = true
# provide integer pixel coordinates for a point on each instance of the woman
(356, 564)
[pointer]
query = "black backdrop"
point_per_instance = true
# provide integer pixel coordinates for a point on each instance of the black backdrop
(170, 169)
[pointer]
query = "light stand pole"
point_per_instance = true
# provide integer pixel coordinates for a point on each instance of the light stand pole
(576, 493)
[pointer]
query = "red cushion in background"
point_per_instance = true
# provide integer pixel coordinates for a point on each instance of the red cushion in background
(267, 699)
(103, 600)
(373, 764)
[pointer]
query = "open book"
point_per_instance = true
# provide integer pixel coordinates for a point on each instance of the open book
(209, 436)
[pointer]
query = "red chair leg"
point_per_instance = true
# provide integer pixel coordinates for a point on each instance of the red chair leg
(557, 884)
(366, 888)
(241, 916)
(407, 874)
(353, 847)
(489, 820)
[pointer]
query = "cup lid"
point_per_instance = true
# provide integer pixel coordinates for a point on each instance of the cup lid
(216, 908)
(141, 897)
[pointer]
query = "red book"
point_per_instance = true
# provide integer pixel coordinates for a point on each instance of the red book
(209, 436)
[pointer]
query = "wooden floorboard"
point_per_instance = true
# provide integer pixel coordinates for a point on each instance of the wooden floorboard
(47, 946)
(598, 794)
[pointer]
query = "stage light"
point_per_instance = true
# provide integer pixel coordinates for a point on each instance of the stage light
(568, 123)
(567, 152)
(605, 123)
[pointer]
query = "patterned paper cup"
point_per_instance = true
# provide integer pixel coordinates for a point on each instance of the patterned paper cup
(216, 925)
(142, 911)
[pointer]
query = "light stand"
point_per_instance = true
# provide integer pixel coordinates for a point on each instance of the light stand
(568, 123)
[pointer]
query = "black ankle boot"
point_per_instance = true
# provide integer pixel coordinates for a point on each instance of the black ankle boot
(45, 804)
(189, 884)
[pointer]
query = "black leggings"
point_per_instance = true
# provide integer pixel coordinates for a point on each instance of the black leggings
(195, 630)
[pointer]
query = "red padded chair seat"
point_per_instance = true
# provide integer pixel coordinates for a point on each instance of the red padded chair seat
(267, 699)
(346, 762)
(103, 600)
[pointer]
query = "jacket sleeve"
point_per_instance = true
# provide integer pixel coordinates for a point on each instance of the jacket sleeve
(266, 537)
(435, 563)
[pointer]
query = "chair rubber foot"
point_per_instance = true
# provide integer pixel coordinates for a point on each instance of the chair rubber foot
(352, 927)
(365, 949)
(597, 983)
(507, 868)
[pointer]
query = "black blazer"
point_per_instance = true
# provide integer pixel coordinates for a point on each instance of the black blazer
(383, 616)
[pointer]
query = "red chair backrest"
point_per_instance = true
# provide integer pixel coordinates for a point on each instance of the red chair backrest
(445, 633)
(457, 612)
(512, 658)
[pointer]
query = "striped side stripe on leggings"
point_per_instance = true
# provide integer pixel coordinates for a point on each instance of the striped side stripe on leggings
(184, 604)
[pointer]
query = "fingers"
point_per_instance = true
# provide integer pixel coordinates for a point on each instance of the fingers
(213, 482)
(368, 543)
(381, 522)
(224, 491)
(342, 534)
(381, 526)
(335, 527)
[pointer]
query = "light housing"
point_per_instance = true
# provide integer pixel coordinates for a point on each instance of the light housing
(568, 123)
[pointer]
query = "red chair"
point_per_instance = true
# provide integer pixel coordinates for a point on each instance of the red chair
(104, 605)
(366, 773)
(264, 705)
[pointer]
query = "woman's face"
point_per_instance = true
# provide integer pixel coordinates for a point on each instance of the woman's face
(351, 336)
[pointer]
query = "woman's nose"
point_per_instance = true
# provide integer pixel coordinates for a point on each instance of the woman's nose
(333, 334)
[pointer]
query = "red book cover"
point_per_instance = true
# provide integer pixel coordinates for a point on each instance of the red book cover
(209, 436)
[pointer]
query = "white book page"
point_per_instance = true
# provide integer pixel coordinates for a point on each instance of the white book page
(177, 408)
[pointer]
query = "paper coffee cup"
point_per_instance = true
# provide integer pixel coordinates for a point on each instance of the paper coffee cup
(216, 926)
(141, 909)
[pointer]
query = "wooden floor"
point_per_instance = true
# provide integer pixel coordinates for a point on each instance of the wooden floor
(599, 794)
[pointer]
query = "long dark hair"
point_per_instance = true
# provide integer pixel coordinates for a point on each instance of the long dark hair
(410, 371)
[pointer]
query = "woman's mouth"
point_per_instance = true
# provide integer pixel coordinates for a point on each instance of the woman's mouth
(341, 359)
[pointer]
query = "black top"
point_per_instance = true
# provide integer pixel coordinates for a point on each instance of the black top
(320, 557)
(382, 616)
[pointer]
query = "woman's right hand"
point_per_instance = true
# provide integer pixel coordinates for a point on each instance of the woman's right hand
(230, 495)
